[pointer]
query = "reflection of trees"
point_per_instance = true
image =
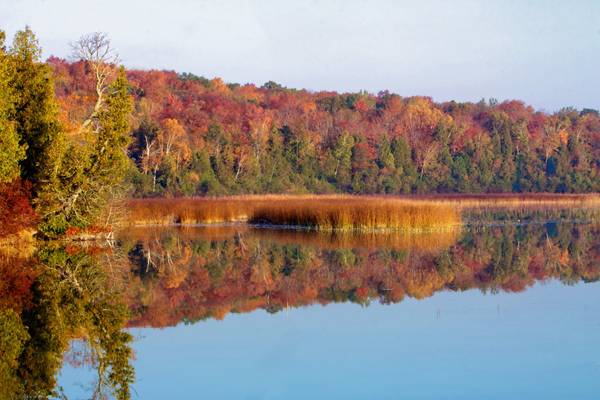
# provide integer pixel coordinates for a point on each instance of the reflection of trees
(192, 275)
(85, 294)
(68, 297)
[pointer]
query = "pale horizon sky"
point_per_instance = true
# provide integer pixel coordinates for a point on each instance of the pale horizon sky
(545, 53)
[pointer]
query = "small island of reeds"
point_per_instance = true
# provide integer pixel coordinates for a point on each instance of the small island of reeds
(339, 212)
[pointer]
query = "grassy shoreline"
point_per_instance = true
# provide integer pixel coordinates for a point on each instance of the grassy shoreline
(341, 212)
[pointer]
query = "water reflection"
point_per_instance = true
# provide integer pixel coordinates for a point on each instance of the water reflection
(72, 303)
(194, 274)
(65, 293)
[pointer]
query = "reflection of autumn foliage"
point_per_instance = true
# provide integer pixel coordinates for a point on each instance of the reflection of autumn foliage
(192, 274)
(51, 298)
(324, 240)
(16, 277)
(83, 290)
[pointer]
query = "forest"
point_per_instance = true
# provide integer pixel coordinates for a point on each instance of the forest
(196, 136)
(77, 134)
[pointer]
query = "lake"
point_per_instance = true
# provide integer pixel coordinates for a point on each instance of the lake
(505, 310)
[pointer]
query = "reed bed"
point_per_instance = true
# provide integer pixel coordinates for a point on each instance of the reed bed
(343, 212)
(187, 211)
(517, 200)
(357, 214)
(326, 213)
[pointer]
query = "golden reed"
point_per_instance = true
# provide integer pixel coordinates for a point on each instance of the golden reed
(327, 213)
(340, 212)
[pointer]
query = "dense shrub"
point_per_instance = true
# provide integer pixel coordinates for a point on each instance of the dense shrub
(16, 212)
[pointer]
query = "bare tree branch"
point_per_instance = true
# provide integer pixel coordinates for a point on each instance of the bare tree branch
(96, 50)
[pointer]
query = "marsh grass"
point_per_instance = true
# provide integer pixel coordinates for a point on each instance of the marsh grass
(508, 201)
(358, 214)
(343, 212)
(323, 213)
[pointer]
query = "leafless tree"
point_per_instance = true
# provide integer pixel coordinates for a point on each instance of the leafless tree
(95, 49)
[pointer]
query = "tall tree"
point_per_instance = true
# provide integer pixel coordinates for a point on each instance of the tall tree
(92, 169)
(405, 167)
(34, 109)
(342, 156)
(11, 152)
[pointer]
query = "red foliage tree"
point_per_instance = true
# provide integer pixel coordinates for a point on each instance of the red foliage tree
(16, 212)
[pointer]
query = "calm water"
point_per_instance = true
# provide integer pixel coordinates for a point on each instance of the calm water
(540, 344)
(236, 313)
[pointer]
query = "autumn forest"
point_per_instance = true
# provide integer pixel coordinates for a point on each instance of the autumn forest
(186, 135)
(194, 136)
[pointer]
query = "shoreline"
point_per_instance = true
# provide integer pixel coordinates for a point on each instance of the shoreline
(368, 214)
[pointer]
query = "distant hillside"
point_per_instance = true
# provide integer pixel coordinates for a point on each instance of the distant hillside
(195, 136)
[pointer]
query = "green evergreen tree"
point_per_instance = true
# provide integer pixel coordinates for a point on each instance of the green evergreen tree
(508, 170)
(385, 157)
(444, 177)
(503, 146)
(387, 179)
(406, 170)
(581, 171)
(461, 171)
(207, 181)
(483, 173)
(342, 156)
(11, 152)
(564, 171)
(222, 158)
(34, 110)
(91, 174)
(276, 170)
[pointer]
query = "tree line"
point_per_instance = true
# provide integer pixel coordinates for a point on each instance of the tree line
(195, 136)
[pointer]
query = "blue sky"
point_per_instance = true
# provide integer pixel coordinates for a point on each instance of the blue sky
(543, 52)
